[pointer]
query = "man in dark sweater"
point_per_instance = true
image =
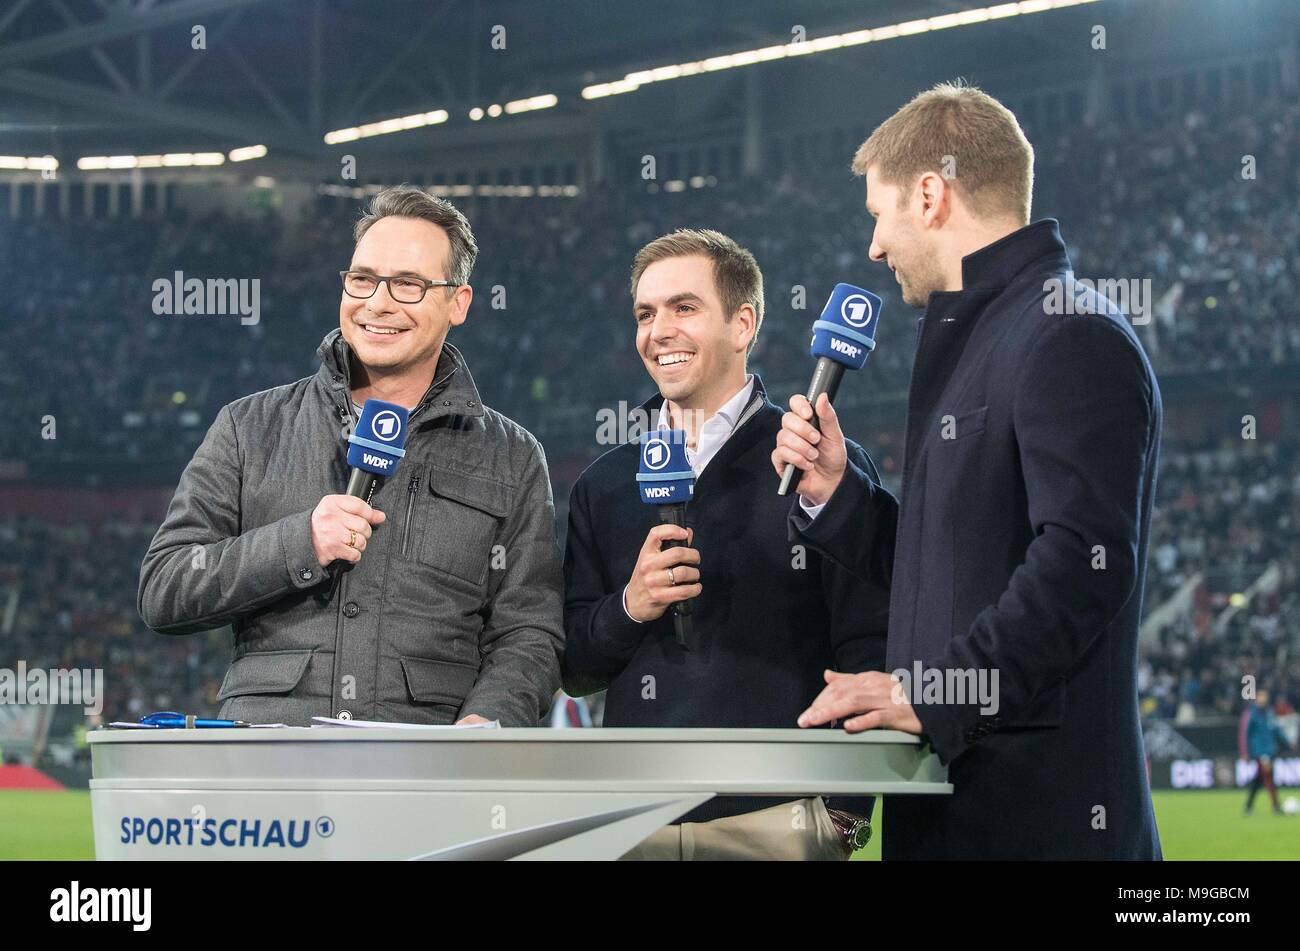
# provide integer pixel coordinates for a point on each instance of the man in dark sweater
(769, 617)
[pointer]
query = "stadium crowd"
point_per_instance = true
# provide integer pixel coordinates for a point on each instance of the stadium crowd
(550, 334)
(1226, 517)
(550, 341)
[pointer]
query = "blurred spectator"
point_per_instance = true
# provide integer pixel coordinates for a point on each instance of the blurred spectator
(551, 338)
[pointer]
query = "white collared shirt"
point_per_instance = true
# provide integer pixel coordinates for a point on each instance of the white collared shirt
(717, 429)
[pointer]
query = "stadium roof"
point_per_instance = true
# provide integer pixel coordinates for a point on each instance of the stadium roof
(82, 77)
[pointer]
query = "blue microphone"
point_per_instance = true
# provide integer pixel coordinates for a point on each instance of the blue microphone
(376, 445)
(667, 480)
(843, 336)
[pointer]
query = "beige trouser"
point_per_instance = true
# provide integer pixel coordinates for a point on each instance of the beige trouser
(793, 831)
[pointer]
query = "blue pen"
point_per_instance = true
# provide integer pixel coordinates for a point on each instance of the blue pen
(170, 720)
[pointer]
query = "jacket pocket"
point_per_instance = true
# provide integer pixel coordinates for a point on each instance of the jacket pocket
(435, 681)
(967, 424)
(259, 672)
(462, 525)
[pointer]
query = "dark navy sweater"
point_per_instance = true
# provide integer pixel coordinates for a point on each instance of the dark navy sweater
(770, 619)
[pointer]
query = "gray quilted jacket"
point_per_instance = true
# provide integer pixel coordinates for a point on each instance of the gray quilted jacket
(455, 607)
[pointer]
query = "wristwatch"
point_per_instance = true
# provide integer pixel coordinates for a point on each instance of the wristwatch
(853, 829)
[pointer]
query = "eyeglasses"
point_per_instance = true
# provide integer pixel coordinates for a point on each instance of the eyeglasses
(404, 290)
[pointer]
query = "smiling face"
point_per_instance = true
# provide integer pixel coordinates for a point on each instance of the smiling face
(689, 348)
(387, 337)
(901, 240)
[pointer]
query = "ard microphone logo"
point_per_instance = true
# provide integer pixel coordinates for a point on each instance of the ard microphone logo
(377, 444)
(386, 426)
(665, 474)
(655, 454)
(856, 310)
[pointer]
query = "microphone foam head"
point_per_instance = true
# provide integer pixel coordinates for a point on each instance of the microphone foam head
(379, 439)
(665, 477)
(846, 330)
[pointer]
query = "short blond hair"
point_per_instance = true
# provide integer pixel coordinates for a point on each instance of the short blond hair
(735, 271)
(965, 135)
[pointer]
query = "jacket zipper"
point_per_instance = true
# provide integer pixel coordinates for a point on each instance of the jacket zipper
(755, 404)
(412, 488)
(340, 596)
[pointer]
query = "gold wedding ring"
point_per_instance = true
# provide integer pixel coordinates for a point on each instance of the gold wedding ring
(352, 538)
(671, 580)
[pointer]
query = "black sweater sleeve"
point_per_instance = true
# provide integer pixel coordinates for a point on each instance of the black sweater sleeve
(600, 638)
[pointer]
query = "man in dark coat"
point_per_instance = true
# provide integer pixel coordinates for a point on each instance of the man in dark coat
(1019, 551)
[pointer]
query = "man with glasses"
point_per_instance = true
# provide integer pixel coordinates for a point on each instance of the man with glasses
(435, 600)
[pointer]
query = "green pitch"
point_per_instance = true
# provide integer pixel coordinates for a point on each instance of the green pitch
(1204, 824)
(1193, 825)
(45, 825)
(1208, 824)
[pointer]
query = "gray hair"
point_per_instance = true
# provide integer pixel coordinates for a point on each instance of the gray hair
(409, 201)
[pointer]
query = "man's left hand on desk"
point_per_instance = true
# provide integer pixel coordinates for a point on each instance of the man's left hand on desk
(865, 701)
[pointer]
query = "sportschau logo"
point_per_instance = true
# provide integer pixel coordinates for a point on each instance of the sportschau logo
(77, 904)
(234, 833)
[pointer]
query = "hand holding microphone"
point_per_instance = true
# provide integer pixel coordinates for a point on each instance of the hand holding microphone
(666, 480)
(843, 337)
(663, 576)
(819, 454)
(340, 527)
